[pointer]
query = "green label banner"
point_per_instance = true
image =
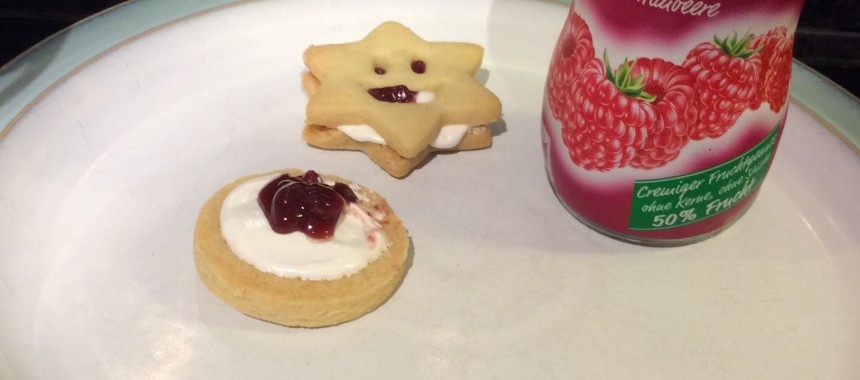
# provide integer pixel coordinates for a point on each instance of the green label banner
(666, 203)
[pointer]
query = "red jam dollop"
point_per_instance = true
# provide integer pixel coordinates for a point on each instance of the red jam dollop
(393, 94)
(304, 203)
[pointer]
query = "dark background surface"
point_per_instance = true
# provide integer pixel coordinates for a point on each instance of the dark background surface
(827, 39)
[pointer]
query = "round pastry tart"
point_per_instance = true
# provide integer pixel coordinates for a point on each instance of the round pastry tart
(300, 249)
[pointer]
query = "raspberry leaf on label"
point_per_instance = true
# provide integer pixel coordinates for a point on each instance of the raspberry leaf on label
(631, 86)
(737, 47)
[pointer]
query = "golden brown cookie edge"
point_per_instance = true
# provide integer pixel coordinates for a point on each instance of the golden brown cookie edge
(290, 301)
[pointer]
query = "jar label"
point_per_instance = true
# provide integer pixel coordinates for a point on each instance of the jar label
(665, 203)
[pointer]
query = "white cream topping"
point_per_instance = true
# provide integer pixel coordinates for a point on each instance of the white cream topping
(358, 239)
(425, 96)
(449, 136)
(361, 133)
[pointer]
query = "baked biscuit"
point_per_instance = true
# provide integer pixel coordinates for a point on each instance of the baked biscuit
(294, 301)
(411, 97)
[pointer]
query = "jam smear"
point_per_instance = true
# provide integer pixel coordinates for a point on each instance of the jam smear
(393, 94)
(305, 204)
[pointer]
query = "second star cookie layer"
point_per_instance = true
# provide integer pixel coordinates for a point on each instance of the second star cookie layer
(397, 97)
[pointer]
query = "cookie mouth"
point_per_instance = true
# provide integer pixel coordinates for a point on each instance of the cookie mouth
(400, 94)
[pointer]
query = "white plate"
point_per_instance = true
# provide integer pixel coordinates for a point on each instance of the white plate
(103, 175)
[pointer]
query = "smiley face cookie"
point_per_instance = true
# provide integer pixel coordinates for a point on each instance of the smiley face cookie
(397, 97)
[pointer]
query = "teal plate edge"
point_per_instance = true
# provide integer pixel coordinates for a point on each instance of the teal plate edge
(837, 108)
(27, 77)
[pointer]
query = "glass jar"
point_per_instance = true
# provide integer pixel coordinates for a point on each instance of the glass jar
(661, 117)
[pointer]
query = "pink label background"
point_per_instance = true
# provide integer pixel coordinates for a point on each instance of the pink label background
(641, 21)
(630, 29)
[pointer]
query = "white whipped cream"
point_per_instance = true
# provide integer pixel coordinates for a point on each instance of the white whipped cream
(425, 96)
(449, 136)
(358, 239)
(362, 133)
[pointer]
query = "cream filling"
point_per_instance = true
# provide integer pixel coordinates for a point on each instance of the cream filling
(425, 96)
(358, 239)
(449, 136)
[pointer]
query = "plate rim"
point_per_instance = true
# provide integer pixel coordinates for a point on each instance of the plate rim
(88, 40)
(74, 71)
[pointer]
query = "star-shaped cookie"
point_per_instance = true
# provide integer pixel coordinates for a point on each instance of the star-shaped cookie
(397, 97)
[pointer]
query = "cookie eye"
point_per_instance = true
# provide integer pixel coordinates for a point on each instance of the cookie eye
(418, 67)
(379, 70)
